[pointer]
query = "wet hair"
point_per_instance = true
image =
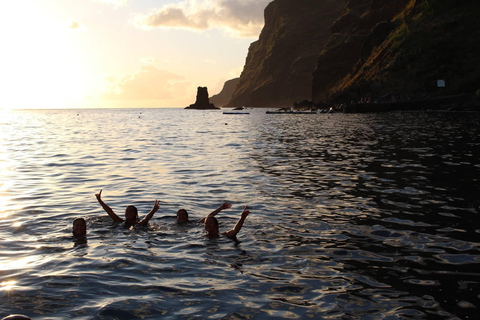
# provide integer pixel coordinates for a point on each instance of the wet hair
(182, 212)
(81, 220)
(16, 317)
(134, 210)
(212, 218)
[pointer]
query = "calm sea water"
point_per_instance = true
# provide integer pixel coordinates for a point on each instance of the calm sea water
(353, 216)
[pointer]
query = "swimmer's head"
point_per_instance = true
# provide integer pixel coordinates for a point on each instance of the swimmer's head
(16, 317)
(79, 227)
(211, 226)
(131, 215)
(182, 216)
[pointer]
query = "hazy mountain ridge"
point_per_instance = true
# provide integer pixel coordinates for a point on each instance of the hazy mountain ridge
(221, 99)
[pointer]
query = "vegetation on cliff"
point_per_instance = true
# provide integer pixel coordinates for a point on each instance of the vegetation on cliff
(349, 34)
(428, 40)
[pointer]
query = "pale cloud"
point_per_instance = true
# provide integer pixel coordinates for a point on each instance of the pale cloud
(149, 83)
(148, 60)
(239, 18)
(210, 61)
(116, 3)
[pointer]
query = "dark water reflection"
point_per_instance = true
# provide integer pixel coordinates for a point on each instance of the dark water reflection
(353, 216)
(394, 208)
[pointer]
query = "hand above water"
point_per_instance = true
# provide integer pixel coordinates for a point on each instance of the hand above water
(226, 205)
(245, 212)
(99, 195)
(156, 206)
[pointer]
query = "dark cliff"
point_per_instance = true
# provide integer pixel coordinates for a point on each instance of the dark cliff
(339, 51)
(349, 33)
(406, 55)
(278, 68)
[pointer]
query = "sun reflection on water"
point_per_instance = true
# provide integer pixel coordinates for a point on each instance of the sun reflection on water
(17, 224)
(7, 285)
(21, 263)
(4, 214)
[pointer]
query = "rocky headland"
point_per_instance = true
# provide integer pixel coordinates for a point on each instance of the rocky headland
(385, 51)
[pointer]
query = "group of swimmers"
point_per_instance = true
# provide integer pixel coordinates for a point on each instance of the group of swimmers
(132, 218)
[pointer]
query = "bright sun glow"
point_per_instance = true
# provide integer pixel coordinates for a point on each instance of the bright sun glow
(38, 63)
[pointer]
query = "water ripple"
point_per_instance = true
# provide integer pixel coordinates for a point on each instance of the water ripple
(353, 216)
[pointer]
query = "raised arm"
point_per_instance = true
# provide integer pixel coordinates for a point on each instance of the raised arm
(107, 209)
(226, 205)
(149, 216)
(233, 233)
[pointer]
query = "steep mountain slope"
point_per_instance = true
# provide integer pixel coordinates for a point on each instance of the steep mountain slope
(278, 68)
(383, 50)
(349, 33)
(429, 41)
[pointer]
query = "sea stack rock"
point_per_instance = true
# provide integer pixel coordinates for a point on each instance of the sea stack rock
(202, 102)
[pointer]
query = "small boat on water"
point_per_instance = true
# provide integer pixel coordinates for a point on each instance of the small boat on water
(235, 112)
(291, 112)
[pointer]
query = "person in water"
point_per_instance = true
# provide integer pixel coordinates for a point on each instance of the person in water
(182, 214)
(131, 213)
(211, 224)
(79, 229)
(16, 317)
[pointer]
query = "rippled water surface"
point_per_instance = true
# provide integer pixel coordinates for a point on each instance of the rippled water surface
(353, 216)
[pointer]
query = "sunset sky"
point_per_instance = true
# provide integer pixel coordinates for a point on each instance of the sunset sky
(121, 53)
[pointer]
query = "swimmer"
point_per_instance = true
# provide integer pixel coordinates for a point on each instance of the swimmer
(211, 225)
(182, 214)
(16, 317)
(79, 229)
(131, 213)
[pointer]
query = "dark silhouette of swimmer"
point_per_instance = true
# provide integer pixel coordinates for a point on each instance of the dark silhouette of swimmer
(16, 317)
(182, 214)
(79, 229)
(131, 213)
(211, 224)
